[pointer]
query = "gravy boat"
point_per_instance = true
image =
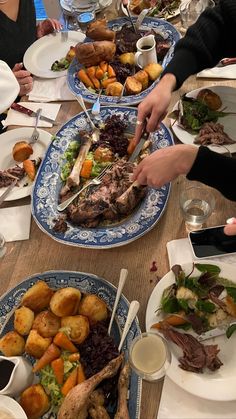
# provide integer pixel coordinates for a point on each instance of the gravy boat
(20, 378)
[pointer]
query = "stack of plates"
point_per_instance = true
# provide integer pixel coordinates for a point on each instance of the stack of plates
(84, 5)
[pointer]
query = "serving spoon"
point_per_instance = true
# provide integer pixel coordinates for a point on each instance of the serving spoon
(133, 310)
(123, 276)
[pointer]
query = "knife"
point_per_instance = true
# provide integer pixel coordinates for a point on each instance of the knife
(140, 144)
(29, 112)
(7, 191)
(218, 331)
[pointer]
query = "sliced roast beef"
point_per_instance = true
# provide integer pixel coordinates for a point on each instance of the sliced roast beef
(8, 176)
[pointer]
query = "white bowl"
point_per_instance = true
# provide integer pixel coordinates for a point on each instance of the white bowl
(12, 408)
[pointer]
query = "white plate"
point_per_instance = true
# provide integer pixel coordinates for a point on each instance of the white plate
(7, 141)
(219, 385)
(11, 407)
(40, 56)
(65, 4)
(169, 16)
(228, 97)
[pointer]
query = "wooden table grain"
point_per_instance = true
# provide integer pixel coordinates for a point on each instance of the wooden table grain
(41, 253)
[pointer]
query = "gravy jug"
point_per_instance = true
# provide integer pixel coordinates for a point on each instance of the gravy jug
(15, 375)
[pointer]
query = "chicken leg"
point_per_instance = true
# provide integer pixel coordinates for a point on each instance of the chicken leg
(123, 385)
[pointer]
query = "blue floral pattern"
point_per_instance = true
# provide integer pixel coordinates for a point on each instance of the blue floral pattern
(166, 29)
(48, 185)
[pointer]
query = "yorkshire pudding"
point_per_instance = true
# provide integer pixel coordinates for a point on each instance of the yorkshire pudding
(92, 53)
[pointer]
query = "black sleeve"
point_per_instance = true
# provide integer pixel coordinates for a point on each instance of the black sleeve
(211, 38)
(215, 170)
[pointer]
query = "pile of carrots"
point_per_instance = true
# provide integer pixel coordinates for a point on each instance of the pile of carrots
(97, 77)
(52, 356)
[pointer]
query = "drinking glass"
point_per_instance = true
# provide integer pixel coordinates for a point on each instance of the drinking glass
(197, 204)
(191, 10)
(149, 356)
(3, 247)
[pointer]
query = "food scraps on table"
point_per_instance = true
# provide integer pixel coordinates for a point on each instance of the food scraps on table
(64, 63)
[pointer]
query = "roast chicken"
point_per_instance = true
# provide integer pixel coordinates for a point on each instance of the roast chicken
(98, 31)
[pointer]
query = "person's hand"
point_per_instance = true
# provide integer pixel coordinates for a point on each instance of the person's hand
(24, 79)
(155, 105)
(125, 2)
(230, 229)
(48, 26)
(165, 164)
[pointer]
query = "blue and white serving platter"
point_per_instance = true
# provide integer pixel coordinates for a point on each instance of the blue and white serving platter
(87, 283)
(48, 185)
(166, 29)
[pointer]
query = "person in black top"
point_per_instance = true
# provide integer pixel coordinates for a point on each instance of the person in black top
(18, 31)
(210, 39)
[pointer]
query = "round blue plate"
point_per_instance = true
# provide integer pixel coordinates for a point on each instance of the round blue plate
(48, 185)
(87, 283)
(167, 30)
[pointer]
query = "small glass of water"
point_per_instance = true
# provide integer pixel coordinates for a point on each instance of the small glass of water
(197, 204)
(149, 356)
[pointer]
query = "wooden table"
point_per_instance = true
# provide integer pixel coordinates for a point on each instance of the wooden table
(40, 253)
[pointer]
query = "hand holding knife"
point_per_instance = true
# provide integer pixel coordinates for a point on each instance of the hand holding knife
(19, 108)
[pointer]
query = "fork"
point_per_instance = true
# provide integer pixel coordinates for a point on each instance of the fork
(95, 130)
(35, 134)
(96, 181)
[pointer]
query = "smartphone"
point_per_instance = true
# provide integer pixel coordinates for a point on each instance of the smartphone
(210, 242)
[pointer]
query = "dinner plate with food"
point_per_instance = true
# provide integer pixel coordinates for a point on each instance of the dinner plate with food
(187, 304)
(84, 5)
(105, 63)
(57, 321)
(207, 117)
(162, 9)
(50, 56)
(20, 160)
(115, 210)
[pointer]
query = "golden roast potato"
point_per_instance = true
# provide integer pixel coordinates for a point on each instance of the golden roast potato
(37, 297)
(210, 98)
(154, 70)
(22, 151)
(36, 345)
(142, 77)
(65, 302)
(47, 324)
(12, 344)
(78, 326)
(114, 89)
(34, 401)
(133, 86)
(127, 58)
(94, 308)
(23, 320)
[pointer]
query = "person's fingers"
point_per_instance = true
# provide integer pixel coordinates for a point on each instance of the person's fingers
(142, 178)
(230, 229)
(22, 75)
(17, 67)
(25, 88)
(58, 26)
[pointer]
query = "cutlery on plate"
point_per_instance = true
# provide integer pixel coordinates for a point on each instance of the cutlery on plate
(132, 313)
(123, 276)
(7, 191)
(35, 134)
(126, 6)
(140, 144)
(122, 92)
(96, 106)
(95, 130)
(140, 18)
(218, 331)
(19, 108)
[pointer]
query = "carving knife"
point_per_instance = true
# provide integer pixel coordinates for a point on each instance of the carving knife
(29, 112)
(140, 144)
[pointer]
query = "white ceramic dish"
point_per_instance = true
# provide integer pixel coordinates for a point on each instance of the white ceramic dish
(40, 56)
(7, 141)
(65, 4)
(169, 16)
(219, 385)
(228, 97)
(10, 406)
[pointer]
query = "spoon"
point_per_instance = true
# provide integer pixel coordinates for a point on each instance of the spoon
(95, 130)
(123, 276)
(133, 309)
(126, 6)
(96, 106)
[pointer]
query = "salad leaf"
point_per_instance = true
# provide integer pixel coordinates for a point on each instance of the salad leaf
(52, 388)
(231, 292)
(231, 329)
(205, 306)
(226, 282)
(202, 267)
(169, 302)
(183, 304)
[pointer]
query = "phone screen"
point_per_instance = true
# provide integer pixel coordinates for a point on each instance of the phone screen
(212, 242)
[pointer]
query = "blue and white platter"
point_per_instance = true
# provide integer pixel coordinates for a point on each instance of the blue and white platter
(87, 283)
(166, 29)
(48, 185)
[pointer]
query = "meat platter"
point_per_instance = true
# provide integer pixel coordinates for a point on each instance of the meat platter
(80, 232)
(87, 284)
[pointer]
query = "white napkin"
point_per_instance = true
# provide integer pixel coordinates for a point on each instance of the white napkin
(226, 72)
(15, 223)
(17, 118)
(50, 90)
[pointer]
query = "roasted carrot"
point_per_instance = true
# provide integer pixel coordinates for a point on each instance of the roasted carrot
(58, 369)
(80, 375)
(111, 72)
(82, 75)
(51, 353)
(74, 357)
(172, 320)
(103, 65)
(91, 71)
(29, 168)
(86, 170)
(131, 146)
(70, 382)
(99, 73)
(105, 82)
(96, 82)
(64, 342)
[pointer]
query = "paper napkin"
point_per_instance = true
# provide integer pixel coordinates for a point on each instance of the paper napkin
(226, 72)
(50, 90)
(15, 223)
(17, 118)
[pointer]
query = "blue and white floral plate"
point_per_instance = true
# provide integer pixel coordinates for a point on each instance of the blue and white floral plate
(167, 30)
(48, 185)
(87, 283)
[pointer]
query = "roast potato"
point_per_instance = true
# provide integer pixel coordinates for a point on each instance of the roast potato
(34, 401)
(65, 302)
(127, 58)
(79, 327)
(36, 345)
(211, 99)
(133, 86)
(47, 324)
(37, 297)
(94, 308)
(114, 89)
(154, 70)
(12, 344)
(23, 320)
(21, 151)
(142, 77)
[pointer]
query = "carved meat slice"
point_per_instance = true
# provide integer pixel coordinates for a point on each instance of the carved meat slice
(77, 398)
(129, 199)
(123, 386)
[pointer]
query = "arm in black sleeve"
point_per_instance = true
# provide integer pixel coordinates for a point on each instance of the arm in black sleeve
(215, 170)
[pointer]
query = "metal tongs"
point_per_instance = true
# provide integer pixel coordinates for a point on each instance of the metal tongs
(126, 6)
